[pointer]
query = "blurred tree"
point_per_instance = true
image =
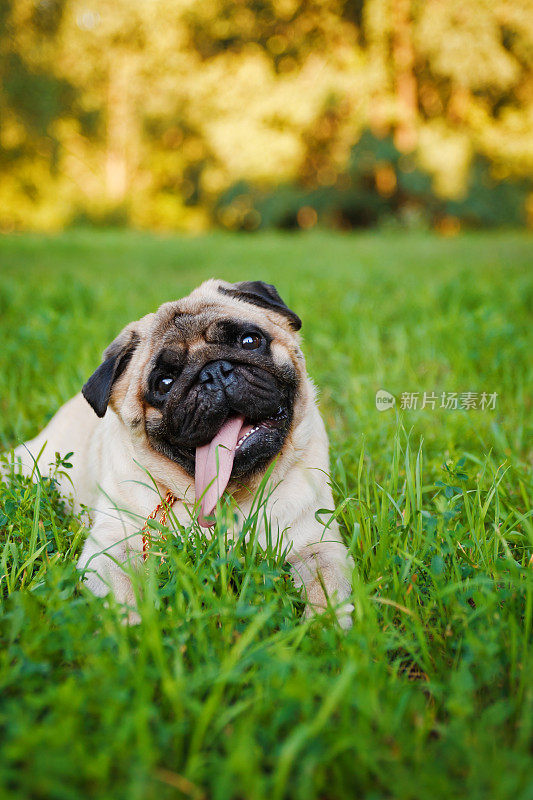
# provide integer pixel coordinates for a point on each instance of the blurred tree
(145, 113)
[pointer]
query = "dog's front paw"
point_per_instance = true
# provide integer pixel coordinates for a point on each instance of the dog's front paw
(103, 572)
(317, 603)
(131, 617)
(344, 616)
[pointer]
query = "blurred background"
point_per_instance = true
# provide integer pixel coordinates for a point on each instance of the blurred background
(193, 114)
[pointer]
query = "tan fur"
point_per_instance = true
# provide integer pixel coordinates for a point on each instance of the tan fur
(112, 457)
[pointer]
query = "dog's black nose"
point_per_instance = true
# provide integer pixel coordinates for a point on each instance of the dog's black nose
(216, 375)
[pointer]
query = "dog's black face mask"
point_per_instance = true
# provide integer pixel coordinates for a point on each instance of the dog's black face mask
(216, 401)
(198, 391)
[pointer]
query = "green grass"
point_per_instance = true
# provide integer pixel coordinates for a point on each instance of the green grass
(222, 691)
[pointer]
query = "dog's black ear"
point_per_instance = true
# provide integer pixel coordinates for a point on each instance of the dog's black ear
(264, 295)
(116, 358)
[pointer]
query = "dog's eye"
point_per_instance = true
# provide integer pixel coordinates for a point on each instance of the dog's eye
(251, 341)
(163, 385)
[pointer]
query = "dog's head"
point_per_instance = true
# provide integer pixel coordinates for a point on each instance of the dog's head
(213, 381)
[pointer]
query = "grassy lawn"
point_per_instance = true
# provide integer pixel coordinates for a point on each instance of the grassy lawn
(222, 692)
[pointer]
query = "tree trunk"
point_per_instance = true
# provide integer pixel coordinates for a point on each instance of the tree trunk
(405, 135)
(122, 129)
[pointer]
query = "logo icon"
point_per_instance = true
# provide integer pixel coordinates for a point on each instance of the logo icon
(384, 400)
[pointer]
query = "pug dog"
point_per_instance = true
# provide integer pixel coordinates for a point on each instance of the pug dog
(203, 395)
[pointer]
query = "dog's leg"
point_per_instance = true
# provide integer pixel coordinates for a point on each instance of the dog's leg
(105, 553)
(323, 570)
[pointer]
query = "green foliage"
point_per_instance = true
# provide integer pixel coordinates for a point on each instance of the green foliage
(223, 691)
(38, 97)
(111, 114)
(381, 186)
(490, 202)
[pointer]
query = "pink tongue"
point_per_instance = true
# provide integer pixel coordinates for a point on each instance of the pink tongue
(214, 462)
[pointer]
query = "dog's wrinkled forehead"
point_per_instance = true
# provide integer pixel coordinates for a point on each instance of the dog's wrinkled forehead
(255, 302)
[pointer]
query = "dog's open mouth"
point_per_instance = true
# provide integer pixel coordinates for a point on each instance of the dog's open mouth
(214, 460)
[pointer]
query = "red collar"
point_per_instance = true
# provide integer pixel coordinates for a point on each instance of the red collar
(161, 508)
